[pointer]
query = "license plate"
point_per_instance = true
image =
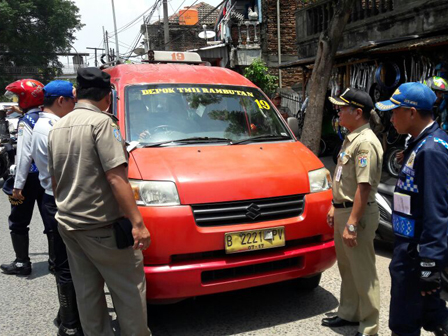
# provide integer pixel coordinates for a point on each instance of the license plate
(253, 240)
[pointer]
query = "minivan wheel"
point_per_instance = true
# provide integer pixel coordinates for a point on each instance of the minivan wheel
(308, 284)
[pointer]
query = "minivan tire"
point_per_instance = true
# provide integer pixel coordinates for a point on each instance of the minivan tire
(308, 284)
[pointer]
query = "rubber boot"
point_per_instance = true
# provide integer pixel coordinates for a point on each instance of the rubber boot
(22, 264)
(51, 254)
(68, 311)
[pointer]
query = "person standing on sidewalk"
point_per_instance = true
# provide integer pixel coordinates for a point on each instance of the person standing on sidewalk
(59, 100)
(355, 216)
(420, 215)
(87, 162)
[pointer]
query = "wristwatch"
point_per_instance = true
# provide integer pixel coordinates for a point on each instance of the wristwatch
(351, 228)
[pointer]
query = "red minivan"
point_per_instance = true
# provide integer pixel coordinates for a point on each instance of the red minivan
(232, 200)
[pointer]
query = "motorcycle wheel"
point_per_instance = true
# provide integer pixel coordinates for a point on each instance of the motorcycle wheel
(390, 161)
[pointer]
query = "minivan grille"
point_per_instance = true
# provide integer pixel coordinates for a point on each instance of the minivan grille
(248, 211)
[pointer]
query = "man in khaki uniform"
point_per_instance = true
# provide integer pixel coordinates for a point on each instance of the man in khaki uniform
(355, 215)
(87, 162)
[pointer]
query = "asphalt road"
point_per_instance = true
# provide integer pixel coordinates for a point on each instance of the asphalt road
(29, 304)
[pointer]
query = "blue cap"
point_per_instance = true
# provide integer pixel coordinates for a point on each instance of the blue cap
(414, 94)
(59, 88)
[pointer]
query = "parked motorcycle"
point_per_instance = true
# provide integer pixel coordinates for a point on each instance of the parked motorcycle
(7, 146)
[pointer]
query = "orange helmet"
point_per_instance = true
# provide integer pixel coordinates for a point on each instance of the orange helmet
(29, 92)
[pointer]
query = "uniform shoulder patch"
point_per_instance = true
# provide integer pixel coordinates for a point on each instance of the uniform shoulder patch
(362, 160)
(20, 128)
(116, 132)
(51, 122)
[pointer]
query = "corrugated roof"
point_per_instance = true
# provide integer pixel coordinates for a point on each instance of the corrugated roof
(384, 46)
(413, 44)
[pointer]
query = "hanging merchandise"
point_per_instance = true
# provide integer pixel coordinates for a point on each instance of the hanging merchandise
(385, 66)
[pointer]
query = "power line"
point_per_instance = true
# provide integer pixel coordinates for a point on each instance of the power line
(147, 19)
(131, 23)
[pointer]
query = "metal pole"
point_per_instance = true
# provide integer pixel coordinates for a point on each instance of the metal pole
(166, 24)
(279, 45)
(106, 44)
(116, 32)
(147, 46)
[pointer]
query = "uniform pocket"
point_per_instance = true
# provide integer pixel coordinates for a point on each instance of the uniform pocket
(344, 158)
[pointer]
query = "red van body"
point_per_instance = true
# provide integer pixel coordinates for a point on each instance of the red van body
(188, 255)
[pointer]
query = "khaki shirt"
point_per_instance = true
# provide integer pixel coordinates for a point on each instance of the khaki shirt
(82, 146)
(359, 161)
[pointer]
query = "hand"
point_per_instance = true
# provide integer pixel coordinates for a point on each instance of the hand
(400, 157)
(349, 238)
(430, 279)
(13, 109)
(330, 217)
(142, 238)
(17, 194)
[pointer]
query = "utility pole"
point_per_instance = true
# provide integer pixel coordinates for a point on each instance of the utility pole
(106, 44)
(96, 55)
(165, 24)
(116, 31)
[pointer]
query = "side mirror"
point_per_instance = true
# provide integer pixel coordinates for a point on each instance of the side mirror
(293, 124)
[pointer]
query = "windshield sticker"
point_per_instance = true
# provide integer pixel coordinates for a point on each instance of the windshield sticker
(263, 104)
(198, 90)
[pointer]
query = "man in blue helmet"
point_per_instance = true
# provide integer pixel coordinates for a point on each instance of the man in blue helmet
(420, 215)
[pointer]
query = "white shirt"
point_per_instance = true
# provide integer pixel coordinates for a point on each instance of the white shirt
(24, 164)
(39, 148)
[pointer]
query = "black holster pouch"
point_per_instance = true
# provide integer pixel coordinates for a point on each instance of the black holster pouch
(123, 233)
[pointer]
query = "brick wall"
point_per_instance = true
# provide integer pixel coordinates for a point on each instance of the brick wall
(291, 76)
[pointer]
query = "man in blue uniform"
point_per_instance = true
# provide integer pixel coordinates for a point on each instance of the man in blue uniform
(420, 215)
(59, 100)
(26, 189)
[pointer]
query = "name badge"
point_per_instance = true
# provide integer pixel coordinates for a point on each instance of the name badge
(338, 174)
(402, 203)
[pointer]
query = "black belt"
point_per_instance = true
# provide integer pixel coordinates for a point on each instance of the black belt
(347, 204)
(343, 205)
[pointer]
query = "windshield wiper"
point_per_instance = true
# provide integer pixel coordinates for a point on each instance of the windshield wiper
(260, 138)
(189, 141)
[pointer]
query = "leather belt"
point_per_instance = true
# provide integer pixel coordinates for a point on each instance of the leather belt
(343, 205)
(347, 205)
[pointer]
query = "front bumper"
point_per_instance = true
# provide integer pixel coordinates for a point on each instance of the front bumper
(185, 260)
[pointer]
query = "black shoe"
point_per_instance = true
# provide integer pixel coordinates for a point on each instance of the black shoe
(359, 334)
(64, 331)
(17, 268)
(22, 264)
(336, 321)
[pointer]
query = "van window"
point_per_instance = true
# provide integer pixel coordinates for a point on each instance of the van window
(156, 113)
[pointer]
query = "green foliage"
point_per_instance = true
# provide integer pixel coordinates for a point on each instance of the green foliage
(258, 74)
(32, 32)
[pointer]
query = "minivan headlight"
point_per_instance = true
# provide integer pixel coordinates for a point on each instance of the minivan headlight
(320, 180)
(155, 193)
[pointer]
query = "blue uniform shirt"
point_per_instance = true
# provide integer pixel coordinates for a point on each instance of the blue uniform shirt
(424, 177)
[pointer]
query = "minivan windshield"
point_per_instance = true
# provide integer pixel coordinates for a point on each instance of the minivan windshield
(171, 114)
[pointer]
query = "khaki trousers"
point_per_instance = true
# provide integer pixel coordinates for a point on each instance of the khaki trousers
(360, 289)
(95, 259)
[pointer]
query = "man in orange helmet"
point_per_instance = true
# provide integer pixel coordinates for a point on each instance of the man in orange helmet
(25, 189)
